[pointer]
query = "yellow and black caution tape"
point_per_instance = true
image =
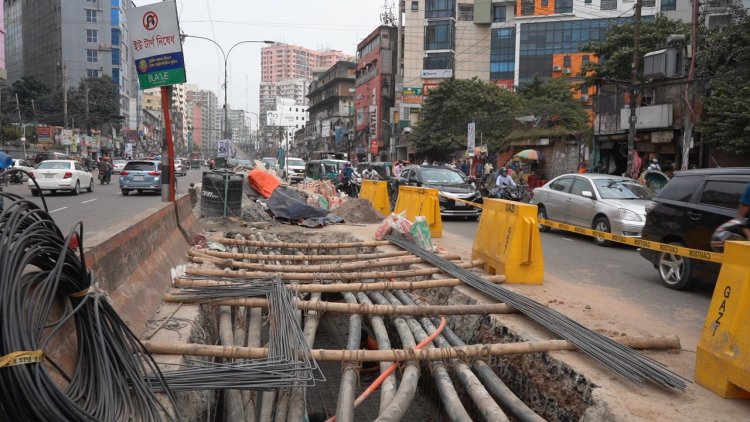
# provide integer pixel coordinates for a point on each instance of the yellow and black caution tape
(640, 243)
(21, 358)
(473, 204)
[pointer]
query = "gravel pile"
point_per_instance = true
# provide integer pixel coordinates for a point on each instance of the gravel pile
(358, 210)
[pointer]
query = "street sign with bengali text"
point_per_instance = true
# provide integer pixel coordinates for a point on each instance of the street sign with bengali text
(156, 44)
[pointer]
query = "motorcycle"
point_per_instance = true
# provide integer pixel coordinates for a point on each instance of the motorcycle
(517, 194)
(349, 186)
(105, 177)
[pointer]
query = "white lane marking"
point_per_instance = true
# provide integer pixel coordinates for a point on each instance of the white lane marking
(90, 200)
(59, 209)
(569, 240)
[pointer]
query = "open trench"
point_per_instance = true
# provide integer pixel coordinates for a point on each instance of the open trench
(358, 296)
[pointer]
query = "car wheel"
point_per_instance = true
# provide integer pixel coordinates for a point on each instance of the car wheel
(602, 224)
(91, 186)
(77, 189)
(675, 271)
(34, 192)
(542, 214)
(125, 192)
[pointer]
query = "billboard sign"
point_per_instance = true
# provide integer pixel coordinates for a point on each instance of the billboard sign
(156, 44)
(279, 118)
(412, 95)
(471, 137)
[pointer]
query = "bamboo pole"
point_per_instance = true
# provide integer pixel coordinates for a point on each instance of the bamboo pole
(326, 268)
(404, 355)
(267, 257)
(325, 276)
(345, 287)
(362, 309)
(300, 245)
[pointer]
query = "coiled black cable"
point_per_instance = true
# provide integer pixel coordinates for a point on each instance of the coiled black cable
(39, 271)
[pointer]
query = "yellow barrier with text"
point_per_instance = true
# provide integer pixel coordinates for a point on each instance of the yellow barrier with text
(376, 192)
(722, 362)
(421, 201)
(508, 241)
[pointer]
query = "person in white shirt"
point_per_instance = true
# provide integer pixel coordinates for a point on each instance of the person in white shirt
(504, 180)
(370, 173)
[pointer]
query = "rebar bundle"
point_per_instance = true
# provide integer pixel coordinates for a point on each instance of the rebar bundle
(625, 361)
(289, 361)
(40, 269)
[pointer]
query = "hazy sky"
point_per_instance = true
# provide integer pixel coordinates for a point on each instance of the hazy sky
(315, 24)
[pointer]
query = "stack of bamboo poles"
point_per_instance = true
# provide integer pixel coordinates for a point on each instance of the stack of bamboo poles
(374, 284)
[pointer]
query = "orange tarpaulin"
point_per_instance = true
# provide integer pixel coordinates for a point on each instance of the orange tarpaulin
(263, 182)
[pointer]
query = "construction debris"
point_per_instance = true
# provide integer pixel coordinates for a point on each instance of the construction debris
(358, 210)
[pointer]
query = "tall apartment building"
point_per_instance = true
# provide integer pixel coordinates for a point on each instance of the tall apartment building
(3, 72)
(52, 40)
(374, 94)
(205, 125)
(285, 72)
(331, 111)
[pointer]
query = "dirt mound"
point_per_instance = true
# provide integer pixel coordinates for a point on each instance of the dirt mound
(358, 210)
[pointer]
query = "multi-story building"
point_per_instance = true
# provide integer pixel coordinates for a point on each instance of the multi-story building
(285, 72)
(61, 42)
(282, 120)
(206, 129)
(374, 94)
(239, 127)
(331, 111)
(3, 72)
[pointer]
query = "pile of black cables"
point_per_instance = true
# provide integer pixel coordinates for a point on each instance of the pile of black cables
(46, 293)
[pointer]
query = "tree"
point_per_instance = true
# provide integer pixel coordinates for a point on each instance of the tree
(449, 109)
(551, 99)
(95, 102)
(615, 50)
(725, 60)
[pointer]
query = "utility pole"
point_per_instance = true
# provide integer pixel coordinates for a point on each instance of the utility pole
(23, 138)
(634, 84)
(65, 98)
(689, 118)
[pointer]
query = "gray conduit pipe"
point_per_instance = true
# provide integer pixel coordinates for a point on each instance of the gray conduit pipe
(448, 395)
(267, 398)
(510, 402)
(388, 386)
(297, 403)
(410, 376)
(350, 372)
(253, 340)
(479, 395)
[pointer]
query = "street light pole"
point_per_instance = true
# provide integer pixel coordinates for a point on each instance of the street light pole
(227, 130)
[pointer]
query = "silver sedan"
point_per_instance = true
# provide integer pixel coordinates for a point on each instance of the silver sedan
(602, 202)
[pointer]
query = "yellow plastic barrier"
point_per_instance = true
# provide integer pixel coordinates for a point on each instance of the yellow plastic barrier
(722, 362)
(421, 201)
(508, 241)
(377, 193)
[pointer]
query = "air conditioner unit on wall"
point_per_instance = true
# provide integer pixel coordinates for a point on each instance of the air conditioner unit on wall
(556, 68)
(566, 70)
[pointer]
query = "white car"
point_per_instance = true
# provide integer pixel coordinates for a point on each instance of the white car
(22, 165)
(296, 168)
(117, 166)
(55, 175)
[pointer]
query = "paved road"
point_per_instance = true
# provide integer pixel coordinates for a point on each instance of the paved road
(102, 208)
(576, 259)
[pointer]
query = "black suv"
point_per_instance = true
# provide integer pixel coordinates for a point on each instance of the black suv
(685, 213)
(446, 180)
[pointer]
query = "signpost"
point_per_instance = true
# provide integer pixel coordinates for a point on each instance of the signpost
(157, 47)
(471, 138)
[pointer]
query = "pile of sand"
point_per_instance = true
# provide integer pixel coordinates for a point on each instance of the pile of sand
(358, 210)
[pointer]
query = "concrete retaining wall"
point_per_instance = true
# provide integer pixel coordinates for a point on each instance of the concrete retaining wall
(132, 261)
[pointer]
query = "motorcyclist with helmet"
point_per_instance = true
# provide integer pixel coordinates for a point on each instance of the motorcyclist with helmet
(346, 180)
(503, 179)
(105, 170)
(737, 228)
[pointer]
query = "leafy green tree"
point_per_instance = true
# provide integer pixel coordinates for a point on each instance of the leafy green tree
(449, 109)
(724, 58)
(551, 99)
(615, 50)
(94, 103)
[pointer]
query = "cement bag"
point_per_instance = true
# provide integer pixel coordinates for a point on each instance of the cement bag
(420, 232)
